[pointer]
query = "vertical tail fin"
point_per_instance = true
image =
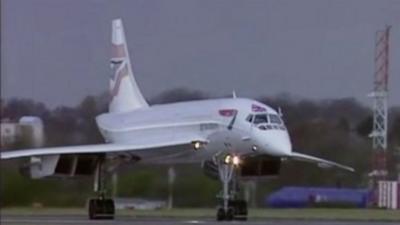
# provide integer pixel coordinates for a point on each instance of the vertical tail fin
(125, 93)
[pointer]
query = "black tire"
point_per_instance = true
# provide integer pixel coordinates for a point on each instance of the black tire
(109, 208)
(242, 207)
(239, 209)
(101, 209)
(221, 214)
(230, 214)
(92, 209)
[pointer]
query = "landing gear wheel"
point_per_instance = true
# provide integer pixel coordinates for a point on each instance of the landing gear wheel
(240, 207)
(221, 214)
(101, 209)
(230, 214)
(92, 209)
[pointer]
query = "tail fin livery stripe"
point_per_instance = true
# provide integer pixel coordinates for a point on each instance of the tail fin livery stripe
(117, 51)
(124, 90)
(121, 72)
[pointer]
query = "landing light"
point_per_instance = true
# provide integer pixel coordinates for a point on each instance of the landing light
(254, 148)
(236, 160)
(229, 159)
(197, 145)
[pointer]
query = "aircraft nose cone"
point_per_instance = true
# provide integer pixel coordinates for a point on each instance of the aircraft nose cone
(280, 144)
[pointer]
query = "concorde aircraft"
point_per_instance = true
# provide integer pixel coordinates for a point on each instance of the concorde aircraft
(231, 138)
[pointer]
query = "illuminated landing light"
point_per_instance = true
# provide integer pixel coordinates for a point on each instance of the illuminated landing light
(236, 160)
(254, 148)
(228, 159)
(197, 145)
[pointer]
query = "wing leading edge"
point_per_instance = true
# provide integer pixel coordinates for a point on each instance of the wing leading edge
(319, 161)
(137, 149)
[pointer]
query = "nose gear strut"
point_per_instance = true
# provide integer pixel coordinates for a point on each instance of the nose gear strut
(231, 206)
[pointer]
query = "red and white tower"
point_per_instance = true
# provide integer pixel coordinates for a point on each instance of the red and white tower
(380, 105)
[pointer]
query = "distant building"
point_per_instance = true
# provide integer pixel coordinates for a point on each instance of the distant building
(9, 132)
(29, 129)
(32, 129)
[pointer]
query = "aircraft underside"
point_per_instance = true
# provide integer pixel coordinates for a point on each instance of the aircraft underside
(229, 168)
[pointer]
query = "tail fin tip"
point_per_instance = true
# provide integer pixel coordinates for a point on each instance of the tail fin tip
(118, 32)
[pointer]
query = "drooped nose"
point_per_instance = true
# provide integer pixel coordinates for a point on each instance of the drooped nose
(279, 144)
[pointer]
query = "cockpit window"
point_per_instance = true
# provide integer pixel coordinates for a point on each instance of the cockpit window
(260, 118)
(249, 118)
(266, 121)
(275, 119)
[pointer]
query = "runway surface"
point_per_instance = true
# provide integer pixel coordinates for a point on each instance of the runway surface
(81, 220)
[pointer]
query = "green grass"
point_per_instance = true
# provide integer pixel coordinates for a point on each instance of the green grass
(292, 214)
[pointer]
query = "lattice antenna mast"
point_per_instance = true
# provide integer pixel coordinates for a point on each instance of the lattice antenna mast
(380, 96)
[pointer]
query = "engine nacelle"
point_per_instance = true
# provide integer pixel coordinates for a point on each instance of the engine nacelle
(60, 166)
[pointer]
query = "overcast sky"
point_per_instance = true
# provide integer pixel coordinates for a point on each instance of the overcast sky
(57, 52)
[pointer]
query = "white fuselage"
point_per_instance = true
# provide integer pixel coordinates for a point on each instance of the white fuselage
(206, 119)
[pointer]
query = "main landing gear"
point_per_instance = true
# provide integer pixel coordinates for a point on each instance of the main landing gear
(231, 206)
(100, 207)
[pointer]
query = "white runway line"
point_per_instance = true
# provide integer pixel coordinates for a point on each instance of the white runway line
(37, 221)
(194, 222)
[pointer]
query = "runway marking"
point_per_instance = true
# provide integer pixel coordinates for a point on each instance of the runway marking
(85, 221)
(32, 221)
(194, 222)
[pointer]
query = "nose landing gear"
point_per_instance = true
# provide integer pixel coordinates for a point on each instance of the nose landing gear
(231, 206)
